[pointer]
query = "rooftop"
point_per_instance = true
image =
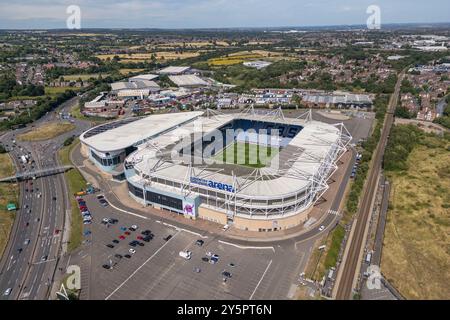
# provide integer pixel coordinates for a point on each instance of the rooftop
(173, 70)
(189, 80)
(116, 136)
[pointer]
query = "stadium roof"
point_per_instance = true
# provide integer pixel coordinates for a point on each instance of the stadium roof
(117, 136)
(305, 153)
(188, 80)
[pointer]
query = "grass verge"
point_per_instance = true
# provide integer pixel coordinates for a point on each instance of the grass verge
(75, 183)
(47, 131)
(323, 261)
(9, 192)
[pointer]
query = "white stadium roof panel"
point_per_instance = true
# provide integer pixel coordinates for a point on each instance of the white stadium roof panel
(136, 131)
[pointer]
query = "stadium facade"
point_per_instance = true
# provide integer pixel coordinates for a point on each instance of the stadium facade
(164, 162)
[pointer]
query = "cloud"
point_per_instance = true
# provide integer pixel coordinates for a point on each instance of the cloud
(215, 13)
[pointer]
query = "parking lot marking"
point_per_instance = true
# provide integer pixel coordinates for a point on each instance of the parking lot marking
(246, 247)
(185, 230)
(260, 280)
(127, 212)
(140, 267)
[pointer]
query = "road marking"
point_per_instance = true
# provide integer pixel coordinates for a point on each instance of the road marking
(185, 230)
(140, 267)
(128, 212)
(246, 247)
(260, 280)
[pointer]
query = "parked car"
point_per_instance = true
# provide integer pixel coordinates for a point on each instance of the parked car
(167, 238)
(127, 256)
(122, 237)
(7, 292)
(110, 245)
(147, 238)
(104, 203)
(133, 227)
(106, 266)
(115, 241)
(321, 228)
(199, 242)
(113, 221)
(146, 232)
(185, 254)
(132, 251)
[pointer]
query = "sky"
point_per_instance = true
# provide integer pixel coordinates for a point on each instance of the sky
(47, 14)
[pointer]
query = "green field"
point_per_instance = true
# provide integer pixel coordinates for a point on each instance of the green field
(9, 192)
(247, 154)
(75, 183)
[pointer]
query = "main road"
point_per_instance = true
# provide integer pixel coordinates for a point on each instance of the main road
(350, 265)
(30, 259)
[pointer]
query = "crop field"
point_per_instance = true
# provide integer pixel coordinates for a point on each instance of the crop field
(128, 71)
(84, 77)
(143, 57)
(247, 154)
(52, 91)
(416, 256)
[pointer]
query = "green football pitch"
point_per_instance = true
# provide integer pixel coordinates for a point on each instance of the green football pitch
(246, 154)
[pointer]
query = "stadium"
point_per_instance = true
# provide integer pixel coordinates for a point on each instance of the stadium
(255, 170)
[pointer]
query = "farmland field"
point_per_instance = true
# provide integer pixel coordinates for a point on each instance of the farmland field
(75, 77)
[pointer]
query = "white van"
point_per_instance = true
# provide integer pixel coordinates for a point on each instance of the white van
(186, 254)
